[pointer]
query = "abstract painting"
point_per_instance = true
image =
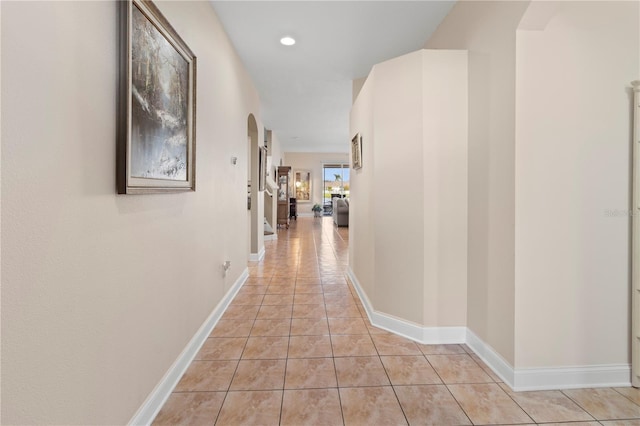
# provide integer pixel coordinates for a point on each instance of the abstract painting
(157, 144)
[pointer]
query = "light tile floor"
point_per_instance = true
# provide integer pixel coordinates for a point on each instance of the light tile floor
(295, 347)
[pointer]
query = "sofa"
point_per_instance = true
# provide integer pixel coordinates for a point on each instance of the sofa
(341, 211)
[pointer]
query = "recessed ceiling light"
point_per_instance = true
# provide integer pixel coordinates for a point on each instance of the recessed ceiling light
(287, 41)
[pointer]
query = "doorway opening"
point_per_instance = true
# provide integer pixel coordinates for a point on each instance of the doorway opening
(255, 203)
(335, 177)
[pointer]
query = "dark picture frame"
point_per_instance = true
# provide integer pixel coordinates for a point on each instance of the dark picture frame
(262, 168)
(356, 152)
(157, 104)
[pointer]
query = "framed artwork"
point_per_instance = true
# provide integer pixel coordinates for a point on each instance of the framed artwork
(356, 152)
(302, 183)
(262, 164)
(157, 104)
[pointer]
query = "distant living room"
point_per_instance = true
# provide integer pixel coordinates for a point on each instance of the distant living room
(336, 192)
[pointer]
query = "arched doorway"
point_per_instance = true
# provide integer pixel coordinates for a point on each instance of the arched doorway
(255, 214)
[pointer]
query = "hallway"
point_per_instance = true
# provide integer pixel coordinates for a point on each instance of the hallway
(295, 347)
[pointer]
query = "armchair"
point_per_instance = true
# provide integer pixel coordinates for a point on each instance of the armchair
(341, 211)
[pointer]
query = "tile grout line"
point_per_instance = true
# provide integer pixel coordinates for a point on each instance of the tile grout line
(446, 386)
(516, 402)
(580, 405)
(237, 365)
(625, 396)
(389, 379)
(333, 358)
(286, 363)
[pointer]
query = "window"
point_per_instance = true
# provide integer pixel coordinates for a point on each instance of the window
(336, 181)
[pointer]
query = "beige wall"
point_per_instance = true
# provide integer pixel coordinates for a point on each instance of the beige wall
(101, 292)
(398, 183)
(548, 157)
(487, 30)
(574, 66)
(356, 86)
(408, 215)
(445, 157)
(313, 162)
(362, 195)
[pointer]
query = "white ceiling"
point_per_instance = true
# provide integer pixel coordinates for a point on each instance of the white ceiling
(305, 89)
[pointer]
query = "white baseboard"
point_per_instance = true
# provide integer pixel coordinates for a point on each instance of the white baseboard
(257, 257)
(408, 329)
(156, 399)
(305, 214)
(519, 379)
(590, 376)
(531, 379)
(493, 359)
(271, 237)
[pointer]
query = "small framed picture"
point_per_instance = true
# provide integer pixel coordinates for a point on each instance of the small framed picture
(157, 104)
(356, 152)
(302, 182)
(262, 167)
